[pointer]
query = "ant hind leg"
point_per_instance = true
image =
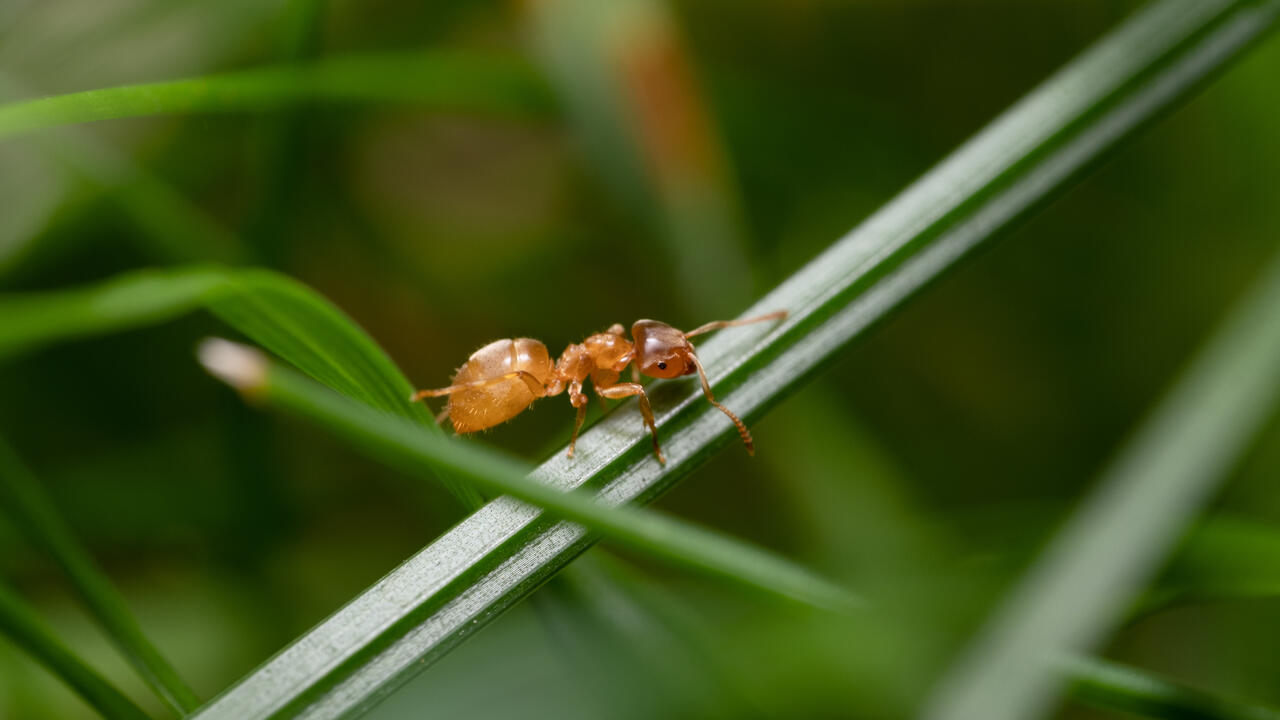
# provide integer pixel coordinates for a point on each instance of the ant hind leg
(536, 387)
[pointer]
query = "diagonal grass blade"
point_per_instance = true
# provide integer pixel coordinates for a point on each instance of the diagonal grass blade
(504, 551)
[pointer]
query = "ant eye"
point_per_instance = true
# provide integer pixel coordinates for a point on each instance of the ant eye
(662, 366)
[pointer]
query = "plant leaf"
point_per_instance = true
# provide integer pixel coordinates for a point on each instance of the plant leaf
(34, 512)
(449, 80)
(1112, 686)
(501, 553)
(1222, 558)
(403, 444)
(25, 629)
(1076, 594)
(279, 313)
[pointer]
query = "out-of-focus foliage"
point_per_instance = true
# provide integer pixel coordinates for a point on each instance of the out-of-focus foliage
(928, 466)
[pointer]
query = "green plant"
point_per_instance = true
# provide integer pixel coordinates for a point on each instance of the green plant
(507, 549)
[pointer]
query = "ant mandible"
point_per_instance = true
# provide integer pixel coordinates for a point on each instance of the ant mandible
(503, 378)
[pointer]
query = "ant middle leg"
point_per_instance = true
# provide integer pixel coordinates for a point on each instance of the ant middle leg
(601, 377)
(579, 400)
(622, 390)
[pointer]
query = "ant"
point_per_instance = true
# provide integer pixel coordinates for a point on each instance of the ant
(503, 378)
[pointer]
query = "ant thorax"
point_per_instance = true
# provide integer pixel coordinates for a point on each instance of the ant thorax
(608, 351)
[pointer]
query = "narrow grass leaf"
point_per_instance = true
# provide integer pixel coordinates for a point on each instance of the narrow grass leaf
(1078, 591)
(29, 321)
(505, 550)
(1221, 559)
(404, 445)
(1120, 688)
(453, 81)
(172, 228)
(33, 511)
(630, 94)
(281, 314)
(20, 624)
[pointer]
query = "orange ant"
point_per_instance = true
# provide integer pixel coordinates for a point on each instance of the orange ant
(503, 378)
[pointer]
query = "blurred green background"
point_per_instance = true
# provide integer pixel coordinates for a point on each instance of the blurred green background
(733, 143)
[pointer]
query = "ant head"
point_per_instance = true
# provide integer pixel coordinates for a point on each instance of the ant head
(661, 350)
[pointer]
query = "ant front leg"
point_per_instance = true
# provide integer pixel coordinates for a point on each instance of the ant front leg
(603, 378)
(622, 390)
(578, 399)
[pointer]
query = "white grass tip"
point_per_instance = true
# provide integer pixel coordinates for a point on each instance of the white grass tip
(240, 366)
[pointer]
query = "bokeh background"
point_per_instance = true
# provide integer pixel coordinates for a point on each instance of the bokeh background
(688, 156)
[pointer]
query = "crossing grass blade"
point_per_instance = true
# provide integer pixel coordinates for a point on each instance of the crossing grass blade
(460, 81)
(1112, 686)
(21, 625)
(281, 314)
(1223, 558)
(1079, 590)
(505, 550)
(22, 498)
(403, 444)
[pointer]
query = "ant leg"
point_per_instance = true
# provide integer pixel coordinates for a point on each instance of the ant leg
(622, 390)
(579, 401)
(535, 387)
(442, 415)
(601, 377)
(706, 389)
(779, 315)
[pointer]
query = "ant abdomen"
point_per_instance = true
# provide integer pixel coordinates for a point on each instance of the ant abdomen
(498, 382)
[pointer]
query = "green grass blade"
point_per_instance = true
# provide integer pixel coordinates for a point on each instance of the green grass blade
(29, 321)
(446, 80)
(1222, 558)
(21, 625)
(1080, 589)
(403, 444)
(33, 511)
(173, 229)
(282, 139)
(503, 551)
(281, 314)
(657, 150)
(1111, 686)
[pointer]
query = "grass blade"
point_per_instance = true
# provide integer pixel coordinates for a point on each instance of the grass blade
(1078, 592)
(503, 551)
(1222, 558)
(629, 90)
(33, 511)
(1111, 686)
(283, 315)
(448, 80)
(25, 629)
(404, 445)
(172, 228)
(29, 321)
